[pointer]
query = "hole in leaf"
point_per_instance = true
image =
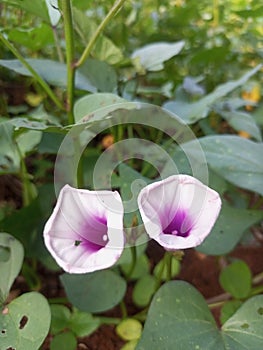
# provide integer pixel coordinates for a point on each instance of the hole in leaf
(3, 331)
(245, 326)
(4, 254)
(260, 311)
(10, 348)
(77, 243)
(23, 322)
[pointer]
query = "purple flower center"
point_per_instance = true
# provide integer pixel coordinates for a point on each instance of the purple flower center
(180, 225)
(93, 235)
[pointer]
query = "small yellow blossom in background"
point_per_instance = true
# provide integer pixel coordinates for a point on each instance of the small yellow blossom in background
(251, 94)
(244, 134)
(107, 141)
(33, 99)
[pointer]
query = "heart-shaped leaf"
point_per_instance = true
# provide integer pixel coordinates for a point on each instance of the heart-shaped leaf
(90, 103)
(229, 229)
(152, 56)
(11, 259)
(180, 319)
(236, 159)
(192, 112)
(94, 292)
(24, 323)
(52, 71)
(243, 331)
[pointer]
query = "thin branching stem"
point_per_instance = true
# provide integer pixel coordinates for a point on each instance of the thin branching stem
(68, 30)
(115, 8)
(38, 78)
(57, 45)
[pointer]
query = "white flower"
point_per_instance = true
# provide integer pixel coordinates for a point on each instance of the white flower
(85, 231)
(178, 212)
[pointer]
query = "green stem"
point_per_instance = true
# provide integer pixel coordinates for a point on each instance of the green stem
(160, 274)
(216, 13)
(80, 174)
(58, 48)
(133, 262)
(115, 8)
(218, 304)
(27, 194)
(168, 261)
(258, 278)
(68, 29)
(142, 315)
(109, 320)
(256, 290)
(38, 78)
(25, 183)
(123, 309)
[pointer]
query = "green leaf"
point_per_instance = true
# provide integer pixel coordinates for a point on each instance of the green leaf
(10, 263)
(33, 38)
(37, 8)
(180, 319)
(55, 73)
(28, 140)
(60, 316)
(229, 229)
(100, 74)
(192, 112)
(131, 183)
(94, 292)
(26, 224)
(160, 270)
(126, 257)
(50, 143)
(90, 103)
(236, 159)
(228, 310)
(251, 12)
(104, 49)
(31, 124)
(207, 56)
(131, 345)
(236, 279)
(152, 56)
(83, 324)
(9, 157)
(24, 323)
(129, 329)
(241, 121)
(141, 268)
(144, 290)
(65, 341)
(243, 330)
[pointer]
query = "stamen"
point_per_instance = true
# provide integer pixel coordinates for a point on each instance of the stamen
(77, 243)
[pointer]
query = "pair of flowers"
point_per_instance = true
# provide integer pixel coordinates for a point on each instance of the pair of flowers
(85, 231)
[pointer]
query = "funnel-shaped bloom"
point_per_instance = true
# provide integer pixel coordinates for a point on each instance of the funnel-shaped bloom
(85, 230)
(178, 212)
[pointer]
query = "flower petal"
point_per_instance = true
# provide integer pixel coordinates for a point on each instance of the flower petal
(179, 212)
(85, 231)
